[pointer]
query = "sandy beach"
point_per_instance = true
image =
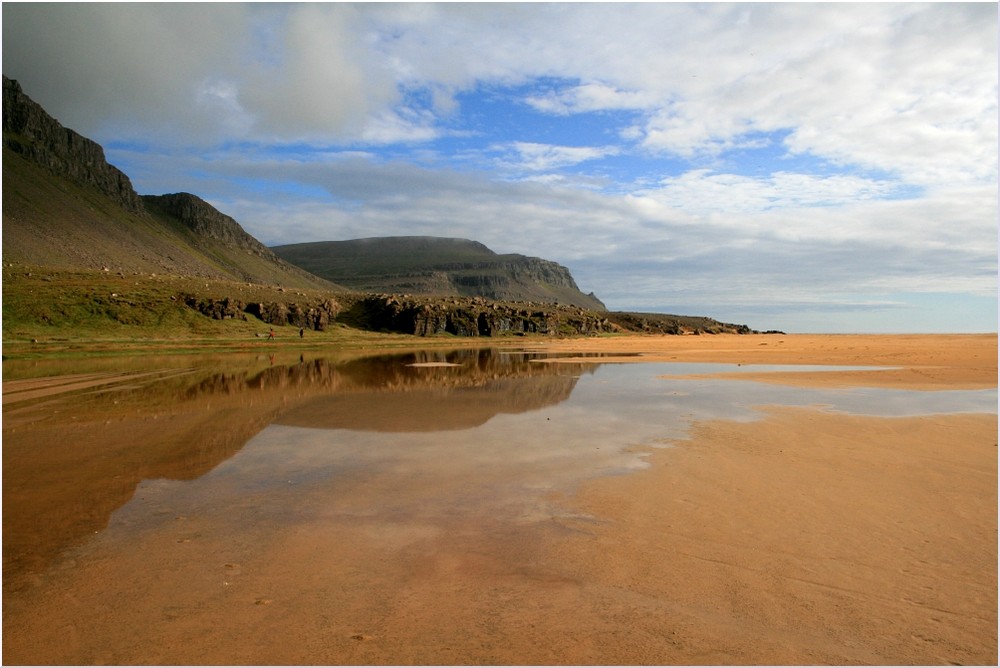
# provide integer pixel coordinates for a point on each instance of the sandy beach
(805, 537)
(915, 361)
(810, 537)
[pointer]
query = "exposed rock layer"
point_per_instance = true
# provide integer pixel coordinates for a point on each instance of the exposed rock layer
(456, 316)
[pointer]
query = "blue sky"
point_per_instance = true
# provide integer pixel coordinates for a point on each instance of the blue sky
(804, 167)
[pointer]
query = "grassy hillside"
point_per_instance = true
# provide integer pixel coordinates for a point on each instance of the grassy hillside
(49, 220)
(50, 312)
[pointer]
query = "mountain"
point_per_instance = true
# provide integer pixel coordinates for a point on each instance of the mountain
(64, 206)
(438, 266)
(84, 253)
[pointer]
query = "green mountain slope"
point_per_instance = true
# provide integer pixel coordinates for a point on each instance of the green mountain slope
(65, 207)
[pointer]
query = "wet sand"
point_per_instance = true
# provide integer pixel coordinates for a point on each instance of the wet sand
(918, 361)
(808, 537)
(803, 538)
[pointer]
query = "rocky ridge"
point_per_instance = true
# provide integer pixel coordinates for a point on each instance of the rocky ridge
(455, 316)
(207, 222)
(65, 206)
(438, 266)
(29, 131)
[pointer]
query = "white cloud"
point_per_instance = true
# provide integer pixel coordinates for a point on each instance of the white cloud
(703, 191)
(536, 157)
(909, 89)
(125, 68)
(321, 82)
(591, 96)
(403, 126)
(631, 242)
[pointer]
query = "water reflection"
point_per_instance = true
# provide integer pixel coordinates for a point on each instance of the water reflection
(488, 431)
(77, 451)
(434, 392)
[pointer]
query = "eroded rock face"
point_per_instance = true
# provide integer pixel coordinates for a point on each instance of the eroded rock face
(457, 316)
(317, 316)
(29, 130)
(218, 309)
(471, 317)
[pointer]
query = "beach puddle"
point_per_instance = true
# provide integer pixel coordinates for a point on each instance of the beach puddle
(326, 489)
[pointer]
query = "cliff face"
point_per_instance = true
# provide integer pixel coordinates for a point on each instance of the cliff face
(440, 267)
(457, 316)
(519, 277)
(31, 132)
(471, 317)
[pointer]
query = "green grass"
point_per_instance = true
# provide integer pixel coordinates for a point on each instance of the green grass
(49, 313)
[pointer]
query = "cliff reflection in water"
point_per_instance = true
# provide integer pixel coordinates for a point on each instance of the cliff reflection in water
(434, 399)
(72, 459)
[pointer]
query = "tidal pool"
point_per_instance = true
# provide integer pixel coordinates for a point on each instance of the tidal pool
(184, 499)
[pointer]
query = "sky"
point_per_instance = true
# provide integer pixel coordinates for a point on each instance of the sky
(802, 167)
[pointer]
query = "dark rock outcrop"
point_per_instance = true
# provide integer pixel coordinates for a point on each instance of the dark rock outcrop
(317, 316)
(458, 316)
(661, 323)
(470, 317)
(30, 131)
(218, 309)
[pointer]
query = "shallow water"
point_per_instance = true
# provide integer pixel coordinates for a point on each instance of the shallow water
(402, 448)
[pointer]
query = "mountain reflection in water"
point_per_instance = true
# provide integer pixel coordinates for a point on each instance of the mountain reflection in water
(486, 424)
(72, 458)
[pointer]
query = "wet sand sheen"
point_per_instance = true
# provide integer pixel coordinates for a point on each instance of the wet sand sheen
(806, 537)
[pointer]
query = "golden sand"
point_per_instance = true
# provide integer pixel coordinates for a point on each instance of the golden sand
(802, 538)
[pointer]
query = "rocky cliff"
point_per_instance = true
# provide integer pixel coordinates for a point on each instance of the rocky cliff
(28, 130)
(456, 316)
(438, 266)
(206, 221)
(476, 316)
(65, 207)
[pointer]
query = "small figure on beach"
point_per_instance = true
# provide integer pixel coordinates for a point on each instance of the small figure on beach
(270, 337)
(302, 332)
